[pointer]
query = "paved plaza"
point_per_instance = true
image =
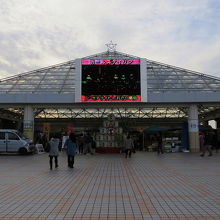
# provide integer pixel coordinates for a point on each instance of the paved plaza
(101, 186)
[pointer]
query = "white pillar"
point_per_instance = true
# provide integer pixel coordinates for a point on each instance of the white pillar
(29, 122)
(193, 125)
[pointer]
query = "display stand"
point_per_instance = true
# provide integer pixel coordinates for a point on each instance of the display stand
(171, 144)
(39, 148)
(110, 136)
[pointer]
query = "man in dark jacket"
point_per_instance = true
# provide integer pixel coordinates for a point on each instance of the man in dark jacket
(88, 144)
(159, 143)
(208, 143)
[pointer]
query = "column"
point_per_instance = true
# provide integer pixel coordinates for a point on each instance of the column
(193, 125)
(28, 122)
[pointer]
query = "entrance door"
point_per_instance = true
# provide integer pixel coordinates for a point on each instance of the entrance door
(2, 142)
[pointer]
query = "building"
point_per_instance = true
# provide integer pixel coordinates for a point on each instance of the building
(164, 93)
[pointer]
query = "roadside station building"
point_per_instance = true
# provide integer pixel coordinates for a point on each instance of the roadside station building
(135, 91)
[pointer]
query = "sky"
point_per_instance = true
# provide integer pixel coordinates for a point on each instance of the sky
(40, 33)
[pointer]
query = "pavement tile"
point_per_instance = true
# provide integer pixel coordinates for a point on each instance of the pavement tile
(102, 186)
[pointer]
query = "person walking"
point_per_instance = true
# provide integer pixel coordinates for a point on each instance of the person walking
(129, 146)
(209, 142)
(45, 142)
(208, 139)
(159, 143)
(88, 144)
(70, 146)
(202, 144)
(54, 151)
(80, 143)
(215, 141)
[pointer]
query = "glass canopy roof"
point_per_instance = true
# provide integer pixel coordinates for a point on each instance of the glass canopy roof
(60, 78)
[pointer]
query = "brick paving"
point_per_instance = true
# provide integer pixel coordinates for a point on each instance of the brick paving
(146, 186)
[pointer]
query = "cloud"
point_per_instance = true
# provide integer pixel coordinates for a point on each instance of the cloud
(182, 33)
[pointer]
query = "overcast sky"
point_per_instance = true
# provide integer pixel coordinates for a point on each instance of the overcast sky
(40, 33)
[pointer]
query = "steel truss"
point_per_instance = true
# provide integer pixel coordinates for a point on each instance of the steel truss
(159, 112)
(155, 112)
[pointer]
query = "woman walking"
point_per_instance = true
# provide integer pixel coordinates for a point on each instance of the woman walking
(129, 146)
(71, 146)
(54, 151)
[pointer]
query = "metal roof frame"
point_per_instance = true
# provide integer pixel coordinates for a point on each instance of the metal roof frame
(60, 78)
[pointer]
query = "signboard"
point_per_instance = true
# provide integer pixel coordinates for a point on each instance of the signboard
(110, 80)
(28, 129)
(193, 125)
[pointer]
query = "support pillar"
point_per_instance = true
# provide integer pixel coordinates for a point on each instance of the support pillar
(193, 125)
(28, 125)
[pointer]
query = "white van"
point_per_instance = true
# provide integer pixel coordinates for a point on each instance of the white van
(12, 141)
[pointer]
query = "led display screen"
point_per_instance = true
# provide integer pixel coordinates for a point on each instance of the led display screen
(111, 80)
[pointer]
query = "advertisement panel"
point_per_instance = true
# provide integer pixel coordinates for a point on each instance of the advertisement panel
(110, 80)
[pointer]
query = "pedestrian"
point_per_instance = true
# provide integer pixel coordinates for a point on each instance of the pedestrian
(88, 144)
(208, 139)
(159, 143)
(64, 138)
(54, 151)
(93, 146)
(209, 142)
(60, 144)
(71, 146)
(215, 141)
(202, 144)
(45, 142)
(129, 146)
(80, 143)
(38, 138)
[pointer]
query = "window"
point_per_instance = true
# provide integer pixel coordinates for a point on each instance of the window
(2, 135)
(12, 136)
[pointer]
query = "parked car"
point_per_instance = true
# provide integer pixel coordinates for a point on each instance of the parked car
(13, 141)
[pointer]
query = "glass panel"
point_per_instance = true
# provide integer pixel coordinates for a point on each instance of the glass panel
(2, 135)
(12, 136)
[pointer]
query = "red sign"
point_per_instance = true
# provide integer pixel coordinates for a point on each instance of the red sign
(111, 62)
(101, 98)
